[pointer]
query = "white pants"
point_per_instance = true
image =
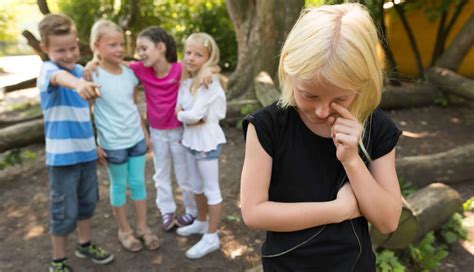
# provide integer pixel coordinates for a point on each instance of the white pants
(204, 177)
(167, 147)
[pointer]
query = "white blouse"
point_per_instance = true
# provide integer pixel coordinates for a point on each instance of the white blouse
(208, 104)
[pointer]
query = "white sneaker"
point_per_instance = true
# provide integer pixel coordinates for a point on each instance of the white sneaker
(208, 243)
(197, 227)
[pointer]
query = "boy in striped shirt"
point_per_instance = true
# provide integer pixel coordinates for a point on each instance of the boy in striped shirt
(70, 145)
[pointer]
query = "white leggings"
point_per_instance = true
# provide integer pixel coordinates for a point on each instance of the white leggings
(204, 177)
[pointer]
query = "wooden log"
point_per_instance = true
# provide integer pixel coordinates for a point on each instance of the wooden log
(451, 82)
(6, 122)
(265, 90)
(451, 166)
(29, 83)
(418, 95)
(21, 135)
(424, 211)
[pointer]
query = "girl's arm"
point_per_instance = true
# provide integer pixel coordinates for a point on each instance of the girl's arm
(377, 191)
(200, 107)
(376, 188)
(142, 121)
(260, 213)
(101, 154)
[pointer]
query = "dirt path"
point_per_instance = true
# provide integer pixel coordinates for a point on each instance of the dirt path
(25, 244)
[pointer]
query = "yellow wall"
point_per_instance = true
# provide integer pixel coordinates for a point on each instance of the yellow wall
(425, 34)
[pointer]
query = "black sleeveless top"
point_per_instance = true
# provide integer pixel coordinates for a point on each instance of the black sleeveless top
(306, 169)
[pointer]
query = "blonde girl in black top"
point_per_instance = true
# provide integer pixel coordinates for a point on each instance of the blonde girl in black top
(320, 164)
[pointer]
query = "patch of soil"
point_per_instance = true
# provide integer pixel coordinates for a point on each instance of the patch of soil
(24, 208)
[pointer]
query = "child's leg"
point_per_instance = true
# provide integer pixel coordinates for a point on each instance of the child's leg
(59, 246)
(63, 182)
(118, 199)
(209, 171)
(84, 231)
(161, 152)
(201, 204)
(136, 179)
(87, 197)
(178, 152)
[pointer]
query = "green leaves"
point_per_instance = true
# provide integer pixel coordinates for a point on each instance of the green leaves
(426, 256)
(386, 261)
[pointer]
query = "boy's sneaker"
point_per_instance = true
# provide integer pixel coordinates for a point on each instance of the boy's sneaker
(167, 222)
(208, 243)
(185, 220)
(59, 267)
(95, 254)
(197, 227)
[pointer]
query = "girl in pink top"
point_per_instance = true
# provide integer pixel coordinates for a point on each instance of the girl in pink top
(160, 74)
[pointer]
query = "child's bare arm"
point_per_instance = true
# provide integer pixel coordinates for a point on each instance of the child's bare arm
(86, 89)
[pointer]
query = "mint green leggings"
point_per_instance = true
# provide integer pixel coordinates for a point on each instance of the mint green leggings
(134, 171)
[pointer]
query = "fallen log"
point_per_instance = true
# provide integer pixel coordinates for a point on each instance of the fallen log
(423, 211)
(451, 166)
(21, 135)
(403, 97)
(29, 83)
(451, 82)
(6, 122)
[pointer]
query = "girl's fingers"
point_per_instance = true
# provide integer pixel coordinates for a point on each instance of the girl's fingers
(342, 111)
(346, 139)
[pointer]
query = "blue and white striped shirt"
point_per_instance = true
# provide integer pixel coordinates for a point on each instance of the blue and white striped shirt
(67, 124)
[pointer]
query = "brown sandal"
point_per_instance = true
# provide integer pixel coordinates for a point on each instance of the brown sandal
(150, 240)
(129, 242)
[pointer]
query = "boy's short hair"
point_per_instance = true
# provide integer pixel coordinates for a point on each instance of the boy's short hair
(55, 25)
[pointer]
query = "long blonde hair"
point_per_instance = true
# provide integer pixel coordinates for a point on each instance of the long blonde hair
(210, 45)
(99, 29)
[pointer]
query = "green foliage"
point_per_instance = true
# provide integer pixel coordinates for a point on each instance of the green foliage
(85, 12)
(179, 17)
(6, 19)
(386, 261)
(426, 256)
(233, 218)
(468, 205)
(14, 157)
(406, 187)
(453, 230)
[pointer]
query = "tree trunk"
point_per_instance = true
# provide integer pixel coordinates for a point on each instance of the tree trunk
(43, 6)
(265, 90)
(34, 43)
(451, 82)
(451, 166)
(425, 210)
(21, 135)
(401, 13)
(460, 46)
(392, 69)
(443, 30)
(261, 28)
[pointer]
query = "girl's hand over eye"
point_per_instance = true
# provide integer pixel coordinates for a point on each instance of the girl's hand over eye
(345, 132)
